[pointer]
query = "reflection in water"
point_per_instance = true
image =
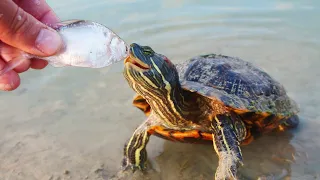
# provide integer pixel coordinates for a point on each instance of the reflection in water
(271, 156)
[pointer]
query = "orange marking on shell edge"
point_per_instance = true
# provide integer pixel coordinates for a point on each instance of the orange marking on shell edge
(281, 128)
(176, 135)
(238, 111)
(248, 122)
(147, 113)
(142, 104)
(247, 141)
(270, 126)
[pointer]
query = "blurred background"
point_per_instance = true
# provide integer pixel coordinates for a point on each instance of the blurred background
(72, 123)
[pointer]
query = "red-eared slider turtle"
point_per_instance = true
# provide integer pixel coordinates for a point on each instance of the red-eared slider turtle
(214, 98)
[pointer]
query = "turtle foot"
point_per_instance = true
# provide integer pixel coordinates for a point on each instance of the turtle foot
(128, 166)
(142, 166)
(228, 166)
(126, 171)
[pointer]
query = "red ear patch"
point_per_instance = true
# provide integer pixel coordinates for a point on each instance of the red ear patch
(166, 60)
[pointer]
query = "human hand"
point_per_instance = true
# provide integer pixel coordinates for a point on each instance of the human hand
(22, 26)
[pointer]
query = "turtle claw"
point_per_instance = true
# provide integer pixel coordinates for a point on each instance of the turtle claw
(129, 170)
(128, 166)
(228, 166)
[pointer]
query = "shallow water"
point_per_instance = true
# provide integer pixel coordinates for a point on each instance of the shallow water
(72, 123)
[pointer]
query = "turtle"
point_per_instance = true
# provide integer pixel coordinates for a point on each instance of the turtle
(209, 98)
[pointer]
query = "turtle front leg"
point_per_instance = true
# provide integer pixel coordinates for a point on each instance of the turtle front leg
(227, 147)
(135, 153)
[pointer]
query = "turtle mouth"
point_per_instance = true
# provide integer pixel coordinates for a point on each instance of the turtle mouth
(136, 63)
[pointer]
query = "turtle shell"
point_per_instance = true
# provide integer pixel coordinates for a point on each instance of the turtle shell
(236, 83)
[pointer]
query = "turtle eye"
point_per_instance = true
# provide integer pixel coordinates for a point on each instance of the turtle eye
(147, 51)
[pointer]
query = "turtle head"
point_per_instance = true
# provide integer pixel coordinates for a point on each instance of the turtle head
(149, 72)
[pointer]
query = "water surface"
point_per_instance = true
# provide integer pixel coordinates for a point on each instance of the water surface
(72, 123)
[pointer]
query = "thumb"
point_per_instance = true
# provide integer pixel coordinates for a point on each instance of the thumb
(21, 30)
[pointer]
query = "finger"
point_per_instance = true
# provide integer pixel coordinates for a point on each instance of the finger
(23, 66)
(9, 81)
(38, 64)
(20, 29)
(13, 58)
(39, 9)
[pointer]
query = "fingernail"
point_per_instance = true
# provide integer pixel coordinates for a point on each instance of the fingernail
(48, 41)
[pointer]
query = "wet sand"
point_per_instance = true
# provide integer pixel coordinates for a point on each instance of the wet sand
(72, 123)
